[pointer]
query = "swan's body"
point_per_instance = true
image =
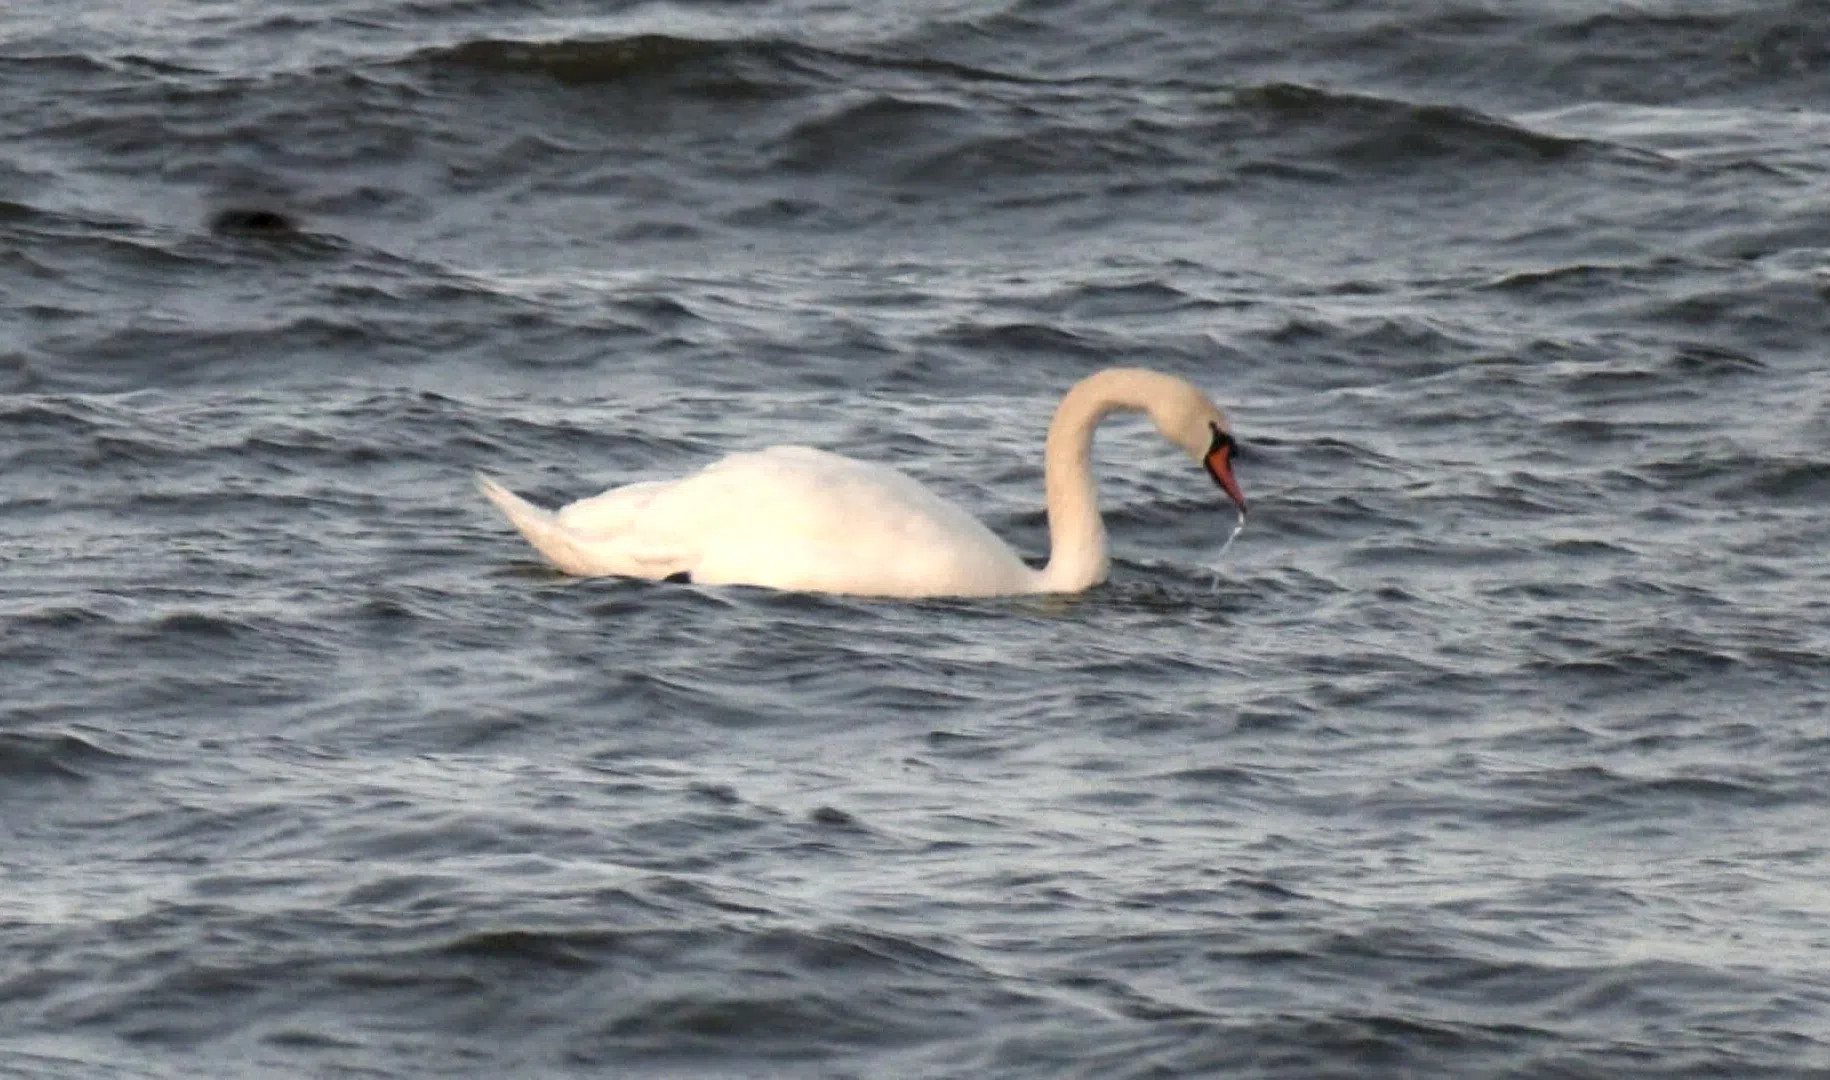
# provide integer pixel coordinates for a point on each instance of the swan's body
(796, 518)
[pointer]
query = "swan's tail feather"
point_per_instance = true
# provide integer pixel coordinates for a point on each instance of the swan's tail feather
(543, 530)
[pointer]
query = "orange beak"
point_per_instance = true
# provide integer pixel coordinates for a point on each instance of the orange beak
(1219, 462)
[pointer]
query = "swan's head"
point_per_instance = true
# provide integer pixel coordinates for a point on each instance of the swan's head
(1189, 419)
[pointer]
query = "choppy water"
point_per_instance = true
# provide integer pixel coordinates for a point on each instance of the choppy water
(1498, 748)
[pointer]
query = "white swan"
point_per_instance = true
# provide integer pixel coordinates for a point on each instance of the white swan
(795, 518)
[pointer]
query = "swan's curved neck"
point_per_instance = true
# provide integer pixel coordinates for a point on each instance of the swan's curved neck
(1077, 535)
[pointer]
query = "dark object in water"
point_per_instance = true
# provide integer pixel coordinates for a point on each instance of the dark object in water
(253, 220)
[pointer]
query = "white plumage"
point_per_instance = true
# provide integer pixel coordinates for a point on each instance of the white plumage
(796, 518)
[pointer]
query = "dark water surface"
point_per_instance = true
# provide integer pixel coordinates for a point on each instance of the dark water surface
(1497, 748)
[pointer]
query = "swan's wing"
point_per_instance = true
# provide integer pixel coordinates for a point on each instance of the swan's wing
(787, 518)
(612, 513)
(592, 537)
(789, 494)
(793, 517)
